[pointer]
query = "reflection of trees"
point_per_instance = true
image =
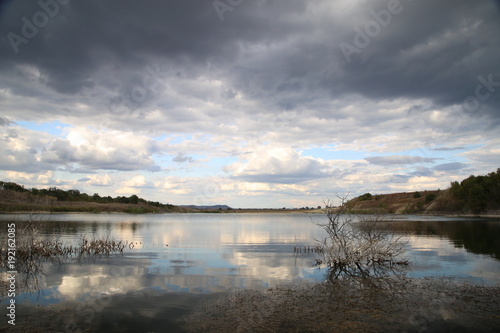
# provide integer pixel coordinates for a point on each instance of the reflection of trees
(359, 249)
(475, 236)
(479, 237)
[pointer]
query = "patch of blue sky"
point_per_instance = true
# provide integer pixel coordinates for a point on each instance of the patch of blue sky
(160, 138)
(177, 138)
(222, 162)
(55, 127)
(329, 153)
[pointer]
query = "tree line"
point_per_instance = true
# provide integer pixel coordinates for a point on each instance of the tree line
(478, 194)
(76, 195)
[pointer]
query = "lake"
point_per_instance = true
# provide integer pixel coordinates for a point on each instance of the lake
(180, 261)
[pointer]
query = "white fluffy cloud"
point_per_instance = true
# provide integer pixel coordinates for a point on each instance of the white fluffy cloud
(94, 150)
(78, 148)
(98, 180)
(268, 164)
(136, 181)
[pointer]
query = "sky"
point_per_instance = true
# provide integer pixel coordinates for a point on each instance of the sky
(249, 103)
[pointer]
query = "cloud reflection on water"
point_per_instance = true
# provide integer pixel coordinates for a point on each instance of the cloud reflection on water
(207, 253)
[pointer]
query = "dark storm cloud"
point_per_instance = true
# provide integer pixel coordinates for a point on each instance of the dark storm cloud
(284, 54)
(430, 49)
(84, 36)
(443, 60)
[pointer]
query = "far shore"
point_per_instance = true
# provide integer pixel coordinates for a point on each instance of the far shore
(494, 215)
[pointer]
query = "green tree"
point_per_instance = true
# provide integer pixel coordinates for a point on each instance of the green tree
(430, 197)
(478, 194)
(365, 197)
(134, 199)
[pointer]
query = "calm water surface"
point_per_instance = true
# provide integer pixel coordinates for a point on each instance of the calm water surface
(179, 260)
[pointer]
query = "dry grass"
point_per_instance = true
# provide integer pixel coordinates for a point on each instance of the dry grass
(33, 249)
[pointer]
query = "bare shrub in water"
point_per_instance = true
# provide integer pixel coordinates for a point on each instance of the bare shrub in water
(33, 249)
(359, 247)
(98, 246)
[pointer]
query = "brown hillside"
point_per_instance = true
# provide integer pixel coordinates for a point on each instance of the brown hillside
(395, 203)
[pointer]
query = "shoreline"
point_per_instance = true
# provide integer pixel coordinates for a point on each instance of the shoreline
(387, 305)
(406, 305)
(253, 211)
